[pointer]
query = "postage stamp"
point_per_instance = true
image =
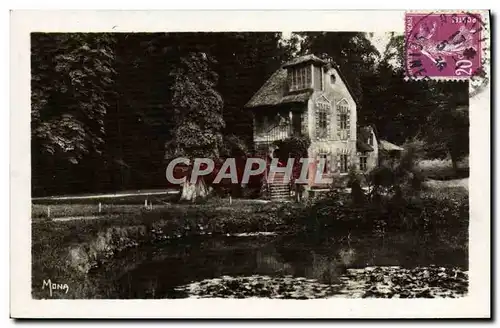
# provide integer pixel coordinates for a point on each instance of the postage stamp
(443, 45)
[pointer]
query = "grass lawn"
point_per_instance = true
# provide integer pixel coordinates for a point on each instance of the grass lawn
(135, 206)
(442, 169)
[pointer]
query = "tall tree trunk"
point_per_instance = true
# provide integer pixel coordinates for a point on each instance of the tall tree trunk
(191, 192)
(455, 165)
(454, 161)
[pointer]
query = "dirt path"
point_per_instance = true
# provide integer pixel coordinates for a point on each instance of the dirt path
(110, 195)
(464, 183)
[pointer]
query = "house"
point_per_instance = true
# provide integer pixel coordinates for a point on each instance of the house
(309, 96)
(389, 153)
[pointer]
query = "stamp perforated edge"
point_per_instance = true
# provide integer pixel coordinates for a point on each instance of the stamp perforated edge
(485, 49)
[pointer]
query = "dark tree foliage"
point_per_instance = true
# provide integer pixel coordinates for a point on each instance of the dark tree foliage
(244, 62)
(197, 109)
(72, 90)
(352, 51)
(104, 105)
(109, 109)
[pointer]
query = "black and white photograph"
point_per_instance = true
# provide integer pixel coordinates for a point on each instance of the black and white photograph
(262, 165)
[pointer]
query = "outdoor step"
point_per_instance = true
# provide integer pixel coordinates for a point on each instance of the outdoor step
(280, 191)
(284, 192)
(283, 187)
(280, 195)
(279, 185)
(280, 198)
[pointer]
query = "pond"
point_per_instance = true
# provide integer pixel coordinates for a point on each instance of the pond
(402, 265)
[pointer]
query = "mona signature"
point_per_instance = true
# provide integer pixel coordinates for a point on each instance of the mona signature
(54, 286)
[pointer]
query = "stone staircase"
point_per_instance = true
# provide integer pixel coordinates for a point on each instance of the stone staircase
(279, 189)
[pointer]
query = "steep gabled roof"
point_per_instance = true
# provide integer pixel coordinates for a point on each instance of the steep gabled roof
(275, 89)
(387, 146)
(305, 59)
(348, 86)
(275, 92)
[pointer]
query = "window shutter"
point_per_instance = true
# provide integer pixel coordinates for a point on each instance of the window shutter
(328, 119)
(333, 162)
(303, 119)
(317, 123)
(338, 123)
(348, 125)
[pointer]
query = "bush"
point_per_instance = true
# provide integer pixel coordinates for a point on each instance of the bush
(293, 147)
(354, 182)
(400, 182)
(337, 212)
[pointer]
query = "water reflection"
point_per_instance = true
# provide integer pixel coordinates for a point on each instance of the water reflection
(156, 271)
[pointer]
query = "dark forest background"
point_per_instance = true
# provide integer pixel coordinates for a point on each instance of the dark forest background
(109, 109)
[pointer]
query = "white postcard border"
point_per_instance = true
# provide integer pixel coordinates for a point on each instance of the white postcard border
(476, 304)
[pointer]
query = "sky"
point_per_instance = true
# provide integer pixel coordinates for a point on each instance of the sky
(379, 40)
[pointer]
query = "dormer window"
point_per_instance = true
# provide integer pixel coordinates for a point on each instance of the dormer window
(370, 139)
(332, 79)
(300, 78)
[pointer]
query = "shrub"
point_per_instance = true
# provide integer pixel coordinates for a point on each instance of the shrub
(400, 182)
(293, 147)
(354, 182)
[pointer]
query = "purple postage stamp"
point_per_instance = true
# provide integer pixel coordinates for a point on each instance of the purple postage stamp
(443, 45)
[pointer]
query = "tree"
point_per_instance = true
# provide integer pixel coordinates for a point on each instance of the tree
(448, 125)
(141, 122)
(405, 110)
(72, 78)
(352, 51)
(245, 60)
(197, 115)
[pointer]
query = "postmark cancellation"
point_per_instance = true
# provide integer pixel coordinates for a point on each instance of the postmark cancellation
(447, 46)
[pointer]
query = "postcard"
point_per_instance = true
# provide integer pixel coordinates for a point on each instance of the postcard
(250, 164)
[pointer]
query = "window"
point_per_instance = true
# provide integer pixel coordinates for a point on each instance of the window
(320, 76)
(322, 112)
(343, 163)
(363, 159)
(296, 123)
(332, 79)
(300, 78)
(322, 125)
(343, 121)
(325, 161)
